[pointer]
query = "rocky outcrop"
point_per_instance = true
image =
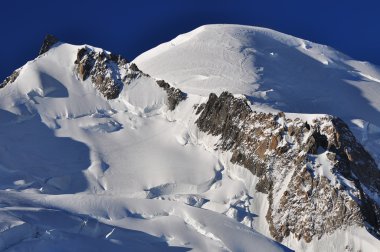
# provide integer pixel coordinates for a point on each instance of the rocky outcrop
(175, 95)
(10, 79)
(49, 41)
(315, 174)
(104, 69)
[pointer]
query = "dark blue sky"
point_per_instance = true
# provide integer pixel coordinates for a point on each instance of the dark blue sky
(132, 27)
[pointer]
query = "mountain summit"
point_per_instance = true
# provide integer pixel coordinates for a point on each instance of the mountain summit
(227, 138)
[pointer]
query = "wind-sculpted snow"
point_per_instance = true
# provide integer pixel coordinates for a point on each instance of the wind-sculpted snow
(277, 72)
(101, 154)
(111, 223)
(109, 73)
(96, 165)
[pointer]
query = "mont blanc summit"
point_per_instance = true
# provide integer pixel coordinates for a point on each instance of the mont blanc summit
(226, 138)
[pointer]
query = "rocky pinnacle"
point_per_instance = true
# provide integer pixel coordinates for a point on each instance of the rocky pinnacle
(49, 41)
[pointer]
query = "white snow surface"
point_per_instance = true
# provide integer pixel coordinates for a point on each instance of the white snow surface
(278, 72)
(80, 173)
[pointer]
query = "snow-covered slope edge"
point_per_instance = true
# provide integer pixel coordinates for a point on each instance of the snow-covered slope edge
(138, 147)
(278, 72)
(83, 172)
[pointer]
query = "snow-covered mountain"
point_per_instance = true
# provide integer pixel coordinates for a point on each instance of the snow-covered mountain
(226, 138)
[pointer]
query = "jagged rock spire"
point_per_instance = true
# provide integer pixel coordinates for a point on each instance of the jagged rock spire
(49, 41)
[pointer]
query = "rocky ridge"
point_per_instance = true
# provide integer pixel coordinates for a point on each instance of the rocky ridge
(175, 95)
(110, 72)
(48, 43)
(104, 69)
(288, 156)
(107, 71)
(10, 79)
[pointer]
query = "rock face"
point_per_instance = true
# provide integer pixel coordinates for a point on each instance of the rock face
(49, 41)
(175, 95)
(105, 70)
(316, 175)
(10, 79)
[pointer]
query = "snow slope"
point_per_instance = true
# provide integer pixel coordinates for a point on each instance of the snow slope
(79, 172)
(277, 71)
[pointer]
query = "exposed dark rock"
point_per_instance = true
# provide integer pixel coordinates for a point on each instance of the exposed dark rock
(317, 140)
(49, 41)
(134, 67)
(86, 61)
(110, 72)
(264, 185)
(10, 79)
(284, 154)
(175, 95)
(353, 156)
(200, 108)
(118, 59)
(133, 73)
(104, 70)
(216, 118)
